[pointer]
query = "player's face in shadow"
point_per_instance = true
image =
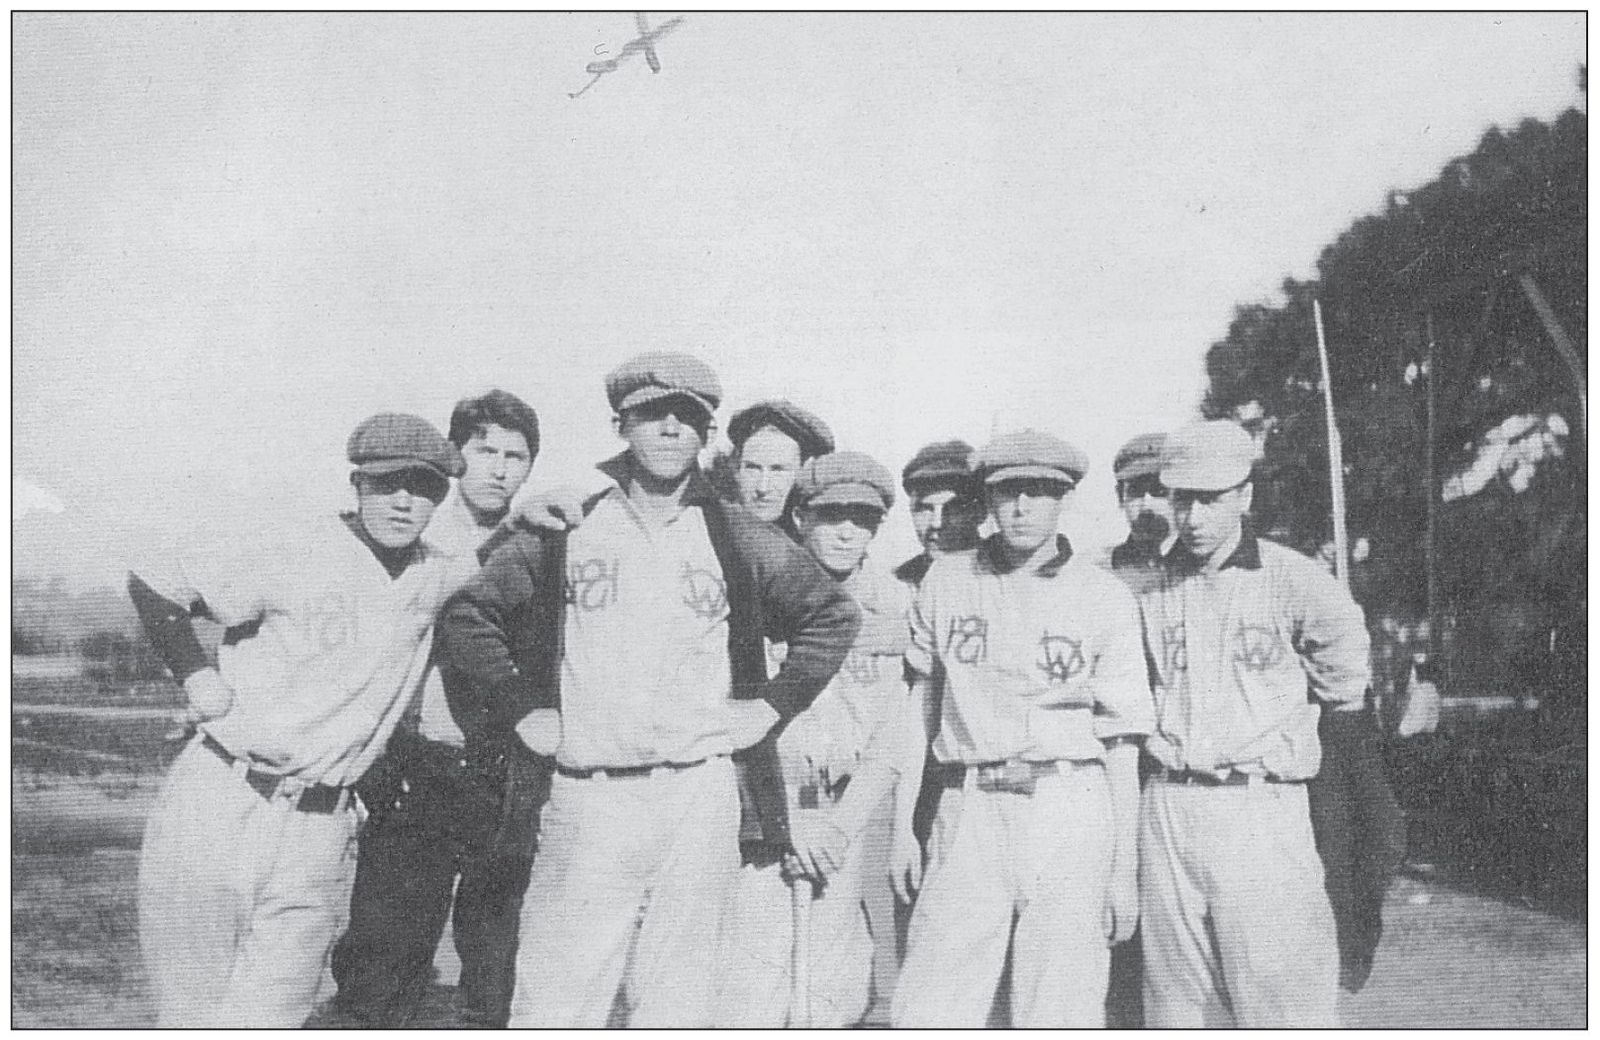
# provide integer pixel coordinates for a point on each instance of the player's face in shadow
(665, 436)
(946, 521)
(1148, 507)
(837, 535)
(1027, 511)
(394, 508)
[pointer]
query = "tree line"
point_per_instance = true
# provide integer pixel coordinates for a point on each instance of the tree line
(1476, 283)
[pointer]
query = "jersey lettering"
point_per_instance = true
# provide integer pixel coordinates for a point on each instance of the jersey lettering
(1257, 648)
(704, 592)
(969, 639)
(592, 584)
(1174, 649)
(1061, 658)
(330, 622)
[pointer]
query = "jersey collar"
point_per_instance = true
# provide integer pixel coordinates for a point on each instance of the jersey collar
(991, 556)
(394, 561)
(698, 493)
(1246, 556)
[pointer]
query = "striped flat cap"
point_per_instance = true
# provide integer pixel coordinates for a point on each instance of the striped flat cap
(845, 478)
(1030, 453)
(658, 374)
(1140, 457)
(392, 441)
(943, 464)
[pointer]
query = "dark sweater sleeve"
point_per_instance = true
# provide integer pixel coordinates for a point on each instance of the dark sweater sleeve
(805, 608)
(1360, 833)
(170, 628)
(476, 638)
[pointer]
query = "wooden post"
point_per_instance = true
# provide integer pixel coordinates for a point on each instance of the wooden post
(1431, 490)
(1341, 538)
(1564, 346)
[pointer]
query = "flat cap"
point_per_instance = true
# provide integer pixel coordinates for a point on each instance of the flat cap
(943, 464)
(808, 431)
(1207, 456)
(845, 478)
(658, 374)
(392, 441)
(1140, 457)
(1030, 453)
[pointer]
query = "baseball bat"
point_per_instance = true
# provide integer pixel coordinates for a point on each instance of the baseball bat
(801, 894)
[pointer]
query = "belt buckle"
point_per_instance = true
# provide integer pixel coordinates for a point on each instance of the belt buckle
(1010, 777)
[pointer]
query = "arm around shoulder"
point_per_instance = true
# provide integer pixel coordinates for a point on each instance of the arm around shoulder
(804, 608)
(474, 634)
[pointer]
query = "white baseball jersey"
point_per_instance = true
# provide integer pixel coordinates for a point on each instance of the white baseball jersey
(855, 716)
(324, 651)
(658, 590)
(1244, 657)
(1033, 666)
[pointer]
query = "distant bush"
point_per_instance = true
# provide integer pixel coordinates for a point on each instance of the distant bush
(117, 657)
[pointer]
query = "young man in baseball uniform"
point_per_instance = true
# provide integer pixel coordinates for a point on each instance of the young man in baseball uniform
(839, 763)
(1030, 658)
(636, 640)
(946, 505)
(436, 798)
(946, 512)
(1248, 644)
(249, 855)
(771, 441)
(1145, 503)
(1147, 506)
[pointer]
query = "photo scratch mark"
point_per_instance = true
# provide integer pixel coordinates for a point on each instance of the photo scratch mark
(644, 43)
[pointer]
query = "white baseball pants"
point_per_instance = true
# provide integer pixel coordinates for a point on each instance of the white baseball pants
(240, 899)
(1018, 872)
(1235, 924)
(625, 902)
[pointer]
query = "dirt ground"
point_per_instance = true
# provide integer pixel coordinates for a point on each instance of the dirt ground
(1450, 958)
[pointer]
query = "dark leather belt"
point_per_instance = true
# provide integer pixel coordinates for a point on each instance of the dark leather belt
(626, 772)
(1015, 775)
(314, 798)
(1233, 778)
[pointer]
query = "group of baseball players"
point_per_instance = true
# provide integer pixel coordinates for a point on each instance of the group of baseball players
(666, 753)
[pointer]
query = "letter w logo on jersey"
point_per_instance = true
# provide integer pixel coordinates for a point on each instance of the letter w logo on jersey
(1257, 648)
(969, 639)
(1061, 658)
(592, 583)
(704, 592)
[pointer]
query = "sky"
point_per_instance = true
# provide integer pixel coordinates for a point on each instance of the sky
(236, 236)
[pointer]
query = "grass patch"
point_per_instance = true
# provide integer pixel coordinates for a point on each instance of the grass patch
(74, 941)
